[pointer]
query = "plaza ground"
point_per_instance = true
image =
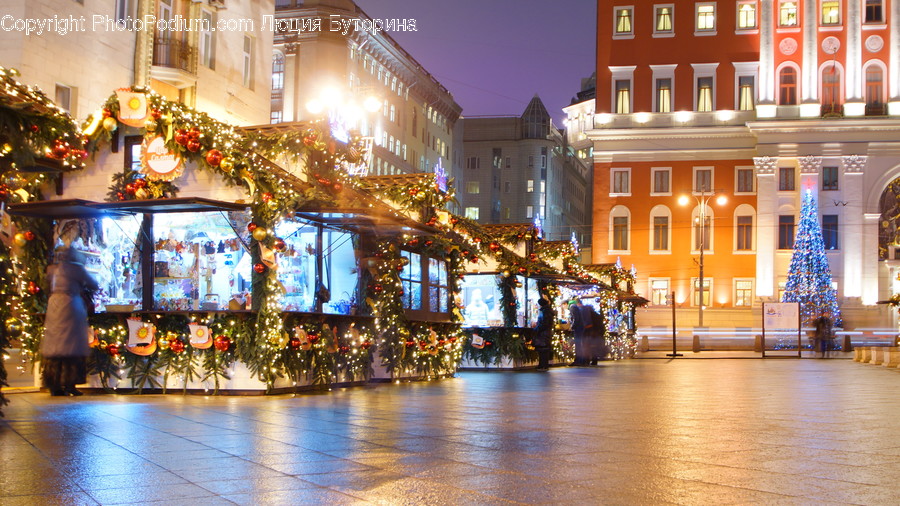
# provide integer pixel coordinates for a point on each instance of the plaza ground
(726, 431)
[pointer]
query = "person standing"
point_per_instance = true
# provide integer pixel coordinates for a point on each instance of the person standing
(823, 335)
(593, 334)
(580, 326)
(543, 334)
(64, 348)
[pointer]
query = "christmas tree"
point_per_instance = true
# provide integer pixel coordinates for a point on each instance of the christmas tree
(809, 277)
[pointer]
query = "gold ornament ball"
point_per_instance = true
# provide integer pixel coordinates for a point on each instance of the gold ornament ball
(14, 326)
(260, 233)
(103, 345)
(226, 164)
(19, 239)
(163, 343)
(142, 194)
(151, 125)
(110, 124)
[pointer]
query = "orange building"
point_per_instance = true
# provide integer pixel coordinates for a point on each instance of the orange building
(754, 101)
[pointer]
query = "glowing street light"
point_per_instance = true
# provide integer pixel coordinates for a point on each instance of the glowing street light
(703, 200)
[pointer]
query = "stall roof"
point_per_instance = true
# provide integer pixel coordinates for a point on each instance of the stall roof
(78, 208)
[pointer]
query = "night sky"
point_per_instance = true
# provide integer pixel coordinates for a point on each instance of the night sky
(494, 55)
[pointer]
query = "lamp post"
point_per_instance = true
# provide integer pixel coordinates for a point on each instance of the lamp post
(702, 201)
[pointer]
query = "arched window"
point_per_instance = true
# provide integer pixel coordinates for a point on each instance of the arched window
(874, 90)
(744, 229)
(619, 229)
(787, 86)
(831, 88)
(660, 230)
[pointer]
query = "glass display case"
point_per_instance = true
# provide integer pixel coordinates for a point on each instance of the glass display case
(527, 294)
(318, 268)
(481, 301)
(199, 263)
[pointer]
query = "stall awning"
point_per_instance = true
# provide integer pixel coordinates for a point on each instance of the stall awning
(364, 220)
(173, 205)
(78, 208)
(56, 209)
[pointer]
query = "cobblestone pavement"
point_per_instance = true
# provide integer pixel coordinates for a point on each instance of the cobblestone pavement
(779, 431)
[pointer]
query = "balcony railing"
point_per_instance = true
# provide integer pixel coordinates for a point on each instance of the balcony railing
(876, 110)
(174, 54)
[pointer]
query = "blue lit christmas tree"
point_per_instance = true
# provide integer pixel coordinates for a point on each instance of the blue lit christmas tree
(809, 277)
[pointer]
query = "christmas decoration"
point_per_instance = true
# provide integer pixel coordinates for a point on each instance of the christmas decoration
(222, 343)
(809, 276)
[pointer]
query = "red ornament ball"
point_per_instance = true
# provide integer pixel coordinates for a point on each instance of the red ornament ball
(113, 349)
(410, 344)
(313, 338)
(259, 268)
(34, 128)
(344, 350)
(279, 245)
(295, 343)
(251, 226)
(222, 343)
(177, 346)
(338, 187)
(365, 345)
(130, 188)
(194, 134)
(29, 235)
(107, 113)
(140, 183)
(214, 157)
(181, 136)
(156, 114)
(193, 145)
(266, 196)
(59, 151)
(33, 288)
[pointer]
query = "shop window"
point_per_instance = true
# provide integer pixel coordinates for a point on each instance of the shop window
(199, 262)
(743, 292)
(481, 301)
(424, 282)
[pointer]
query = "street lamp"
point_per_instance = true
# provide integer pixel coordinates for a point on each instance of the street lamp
(702, 200)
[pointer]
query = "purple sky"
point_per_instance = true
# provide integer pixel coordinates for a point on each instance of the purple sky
(494, 55)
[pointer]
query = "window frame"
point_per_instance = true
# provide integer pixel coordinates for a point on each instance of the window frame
(698, 30)
(663, 72)
(624, 34)
(653, 188)
(424, 285)
(831, 232)
(737, 23)
(829, 183)
(738, 169)
(786, 236)
(707, 291)
(793, 88)
(617, 213)
(654, 292)
(656, 19)
(786, 184)
(865, 12)
(735, 288)
(695, 188)
(822, 15)
(612, 182)
(660, 211)
(783, 13)
(472, 213)
(744, 232)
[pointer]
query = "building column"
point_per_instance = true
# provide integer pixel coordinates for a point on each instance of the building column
(766, 101)
(893, 77)
(810, 51)
(766, 219)
(854, 104)
(860, 257)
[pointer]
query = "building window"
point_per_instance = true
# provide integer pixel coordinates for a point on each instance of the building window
(207, 40)
(786, 231)
(702, 180)
(508, 165)
(787, 14)
(830, 231)
(623, 96)
(506, 213)
(507, 187)
(829, 178)
(787, 86)
(704, 94)
(496, 158)
(786, 179)
(664, 95)
(529, 186)
(706, 17)
(744, 181)
(473, 162)
(529, 212)
(247, 58)
(664, 19)
(661, 181)
(744, 233)
(473, 187)
(743, 292)
(277, 75)
(831, 12)
(707, 287)
(874, 87)
(472, 213)
(620, 233)
(543, 187)
(411, 279)
(125, 9)
(624, 21)
(63, 97)
(831, 87)
(746, 15)
(874, 11)
(659, 291)
(746, 93)
(660, 233)
(621, 181)
(703, 234)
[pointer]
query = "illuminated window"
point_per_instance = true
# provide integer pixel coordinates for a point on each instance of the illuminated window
(746, 93)
(705, 94)
(787, 86)
(787, 14)
(473, 187)
(623, 96)
(707, 287)
(623, 20)
(664, 18)
(831, 12)
(743, 292)
(472, 213)
(702, 233)
(746, 15)
(706, 17)
(663, 95)
(529, 186)
(659, 291)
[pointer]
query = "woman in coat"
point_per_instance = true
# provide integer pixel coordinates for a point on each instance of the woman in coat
(64, 348)
(543, 334)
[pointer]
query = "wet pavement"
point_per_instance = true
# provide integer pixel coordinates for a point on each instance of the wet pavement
(780, 431)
